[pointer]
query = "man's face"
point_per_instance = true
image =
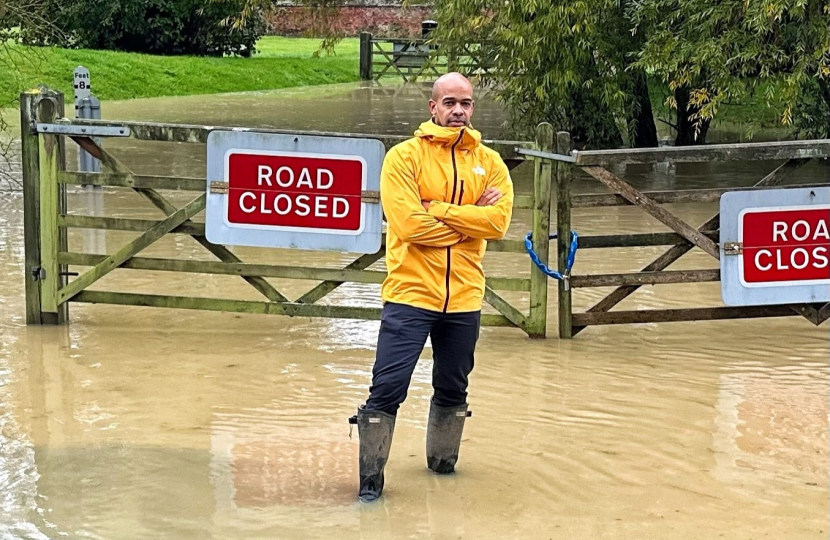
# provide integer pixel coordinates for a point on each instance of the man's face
(452, 104)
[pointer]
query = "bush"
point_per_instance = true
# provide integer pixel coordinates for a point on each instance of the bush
(166, 27)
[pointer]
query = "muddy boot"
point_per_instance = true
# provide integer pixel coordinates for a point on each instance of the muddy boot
(444, 436)
(375, 430)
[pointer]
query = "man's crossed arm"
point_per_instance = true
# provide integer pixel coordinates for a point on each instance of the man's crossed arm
(440, 224)
(469, 220)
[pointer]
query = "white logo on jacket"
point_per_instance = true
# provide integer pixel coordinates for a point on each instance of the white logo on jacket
(479, 170)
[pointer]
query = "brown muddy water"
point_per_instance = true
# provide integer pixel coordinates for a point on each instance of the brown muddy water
(148, 423)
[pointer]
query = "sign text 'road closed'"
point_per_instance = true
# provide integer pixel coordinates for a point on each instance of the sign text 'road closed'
(286, 190)
(785, 245)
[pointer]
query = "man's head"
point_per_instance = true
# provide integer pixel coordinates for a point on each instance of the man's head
(452, 102)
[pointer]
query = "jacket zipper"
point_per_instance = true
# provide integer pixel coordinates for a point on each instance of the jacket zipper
(452, 201)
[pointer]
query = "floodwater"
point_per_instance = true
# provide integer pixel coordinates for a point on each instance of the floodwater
(151, 423)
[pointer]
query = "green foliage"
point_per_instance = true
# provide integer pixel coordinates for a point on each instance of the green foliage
(582, 64)
(561, 61)
(812, 109)
(730, 50)
(168, 27)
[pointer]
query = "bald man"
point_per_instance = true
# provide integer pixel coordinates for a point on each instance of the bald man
(444, 195)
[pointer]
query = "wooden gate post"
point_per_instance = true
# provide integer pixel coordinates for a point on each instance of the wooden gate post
(366, 56)
(564, 175)
(538, 315)
(31, 202)
(52, 201)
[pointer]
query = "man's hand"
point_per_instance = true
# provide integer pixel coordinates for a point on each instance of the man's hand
(490, 197)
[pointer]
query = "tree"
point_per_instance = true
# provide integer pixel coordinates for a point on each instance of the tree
(713, 53)
(561, 61)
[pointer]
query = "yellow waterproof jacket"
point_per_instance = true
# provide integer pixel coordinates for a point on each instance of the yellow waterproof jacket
(434, 258)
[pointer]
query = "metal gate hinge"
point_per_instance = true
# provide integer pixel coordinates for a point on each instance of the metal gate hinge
(733, 248)
(74, 130)
(218, 187)
(38, 273)
(371, 197)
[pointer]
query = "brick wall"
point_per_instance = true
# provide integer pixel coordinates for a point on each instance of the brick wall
(381, 20)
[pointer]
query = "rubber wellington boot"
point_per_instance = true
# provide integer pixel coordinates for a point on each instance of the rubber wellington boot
(444, 436)
(375, 430)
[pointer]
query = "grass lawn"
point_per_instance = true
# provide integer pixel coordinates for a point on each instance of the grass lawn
(282, 47)
(280, 63)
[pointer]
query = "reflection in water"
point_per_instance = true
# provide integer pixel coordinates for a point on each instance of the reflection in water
(136, 423)
(270, 457)
(758, 411)
(91, 203)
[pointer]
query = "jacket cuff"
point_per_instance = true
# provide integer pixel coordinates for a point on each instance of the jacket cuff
(438, 209)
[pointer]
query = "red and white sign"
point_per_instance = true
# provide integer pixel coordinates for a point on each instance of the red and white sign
(295, 191)
(785, 246)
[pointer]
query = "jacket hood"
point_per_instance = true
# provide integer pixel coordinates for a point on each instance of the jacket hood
(448, 135)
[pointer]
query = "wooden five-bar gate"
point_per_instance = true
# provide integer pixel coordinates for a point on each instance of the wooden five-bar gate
(788, 157)
(412, 59)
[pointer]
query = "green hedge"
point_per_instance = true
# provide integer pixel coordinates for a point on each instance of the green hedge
(163, 27)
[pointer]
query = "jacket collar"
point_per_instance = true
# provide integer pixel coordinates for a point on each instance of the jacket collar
(447, 136)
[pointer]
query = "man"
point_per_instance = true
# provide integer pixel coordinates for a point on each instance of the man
(444, 195)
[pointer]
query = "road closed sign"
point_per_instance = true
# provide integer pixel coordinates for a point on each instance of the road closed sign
(775, 246)
(294, 191)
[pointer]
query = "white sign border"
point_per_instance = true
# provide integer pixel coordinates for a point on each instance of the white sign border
(220, 140)
(732, 203)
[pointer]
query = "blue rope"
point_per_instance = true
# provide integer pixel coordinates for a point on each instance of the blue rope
(568, 264)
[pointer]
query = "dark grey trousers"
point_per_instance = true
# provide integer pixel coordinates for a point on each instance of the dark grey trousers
(403, 333)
